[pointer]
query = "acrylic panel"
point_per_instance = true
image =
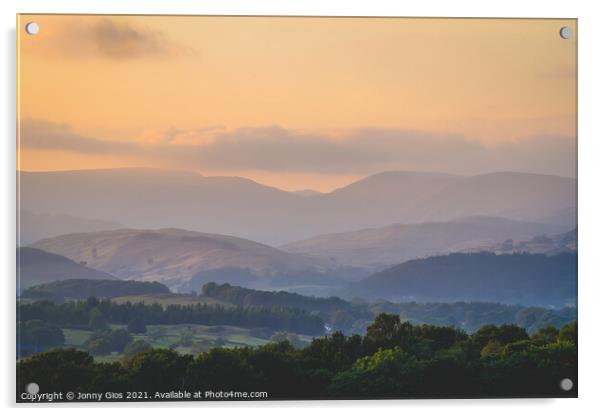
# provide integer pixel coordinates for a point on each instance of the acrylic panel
(291, 208)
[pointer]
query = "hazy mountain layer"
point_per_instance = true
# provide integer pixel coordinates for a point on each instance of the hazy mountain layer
(542, 244)
(376, 248)
(148, 198)
(36, 267)
(34, 227)
(176, 256)
(527, 279)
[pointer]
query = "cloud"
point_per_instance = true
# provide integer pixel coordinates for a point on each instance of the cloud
(108, 38)
(121, 40)
(362, 151)
(41, 134)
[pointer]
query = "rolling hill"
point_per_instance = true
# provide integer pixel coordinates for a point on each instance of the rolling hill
(153, 198)
(35, 266)
(527, 279)
(377, 248)
(542, 243)
(178, 257)
(85, 288)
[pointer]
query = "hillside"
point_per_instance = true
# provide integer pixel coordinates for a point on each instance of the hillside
(85, 288)
(542, 243)
(527, 279)
(35, 266)
(377, 248)
(152, 198)
(180, 258)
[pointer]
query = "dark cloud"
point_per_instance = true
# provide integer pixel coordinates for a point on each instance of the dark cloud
(120, 40)
(116, 39)
(39, 134)
(372, 150)
(364, 151)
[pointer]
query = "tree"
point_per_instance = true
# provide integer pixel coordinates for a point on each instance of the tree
(119, 339)
(508, 333)
(293, 339)
(137, 325)
(516, 347)
(569, 333)
(158, 370)
(105, 342)
(96, 320)
(36, 336)
(136, 347)
(501, 336)
(342, 320)
(545, 335)
(492, 349)
(99, 343)
(388, 331)
(57, 370)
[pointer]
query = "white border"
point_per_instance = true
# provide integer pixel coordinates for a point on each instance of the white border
(590, 200)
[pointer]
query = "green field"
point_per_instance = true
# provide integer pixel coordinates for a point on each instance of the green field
(186, 339)
(165, 299)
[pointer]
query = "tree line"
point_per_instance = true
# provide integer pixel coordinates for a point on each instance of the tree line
(95, 314)
(354, 316)
(252, 297)
(395, 359)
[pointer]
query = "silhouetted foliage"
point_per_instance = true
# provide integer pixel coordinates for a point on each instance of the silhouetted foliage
(82, 288)
(136, 325)
(136, 347)
(37, 336)
(354, 317)
(105, 342)
(394, 360)
(96, 314)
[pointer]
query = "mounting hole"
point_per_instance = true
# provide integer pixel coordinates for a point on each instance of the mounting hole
(32, 388)
(566, 384)
(32, 28)
(565, 32)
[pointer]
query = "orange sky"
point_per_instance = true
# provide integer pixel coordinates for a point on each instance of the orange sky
(167, 85)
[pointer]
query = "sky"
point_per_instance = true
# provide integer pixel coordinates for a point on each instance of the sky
(297, 103)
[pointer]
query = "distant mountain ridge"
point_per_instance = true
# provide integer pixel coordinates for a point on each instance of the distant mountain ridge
(542, 244)
(35, 266)
(34, 227)
(376, 248)
(177, 257)
(527, 279)
(151, 199)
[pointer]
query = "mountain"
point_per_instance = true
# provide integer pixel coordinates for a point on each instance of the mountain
(527, 279)
(34, 227)
(154, 198)
(85, 288)
(376, 248)
(35, 266)
(179, 257)
(307, 192)
(543, 244)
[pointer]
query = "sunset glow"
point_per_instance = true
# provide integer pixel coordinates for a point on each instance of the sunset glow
(194, 93)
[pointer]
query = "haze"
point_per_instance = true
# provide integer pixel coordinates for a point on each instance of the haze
(297, 103)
